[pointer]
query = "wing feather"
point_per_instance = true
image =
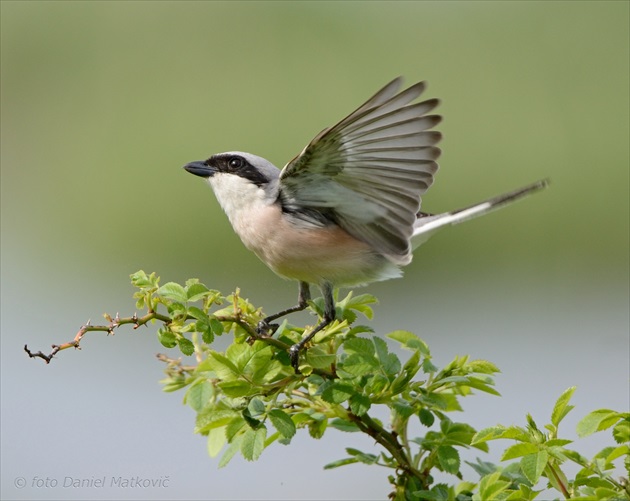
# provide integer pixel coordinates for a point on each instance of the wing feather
(427, 138)
(370, 169)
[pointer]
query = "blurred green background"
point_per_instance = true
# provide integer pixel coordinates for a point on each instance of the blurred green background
(103, 102)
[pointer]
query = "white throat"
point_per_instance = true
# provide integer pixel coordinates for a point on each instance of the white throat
(237, 195)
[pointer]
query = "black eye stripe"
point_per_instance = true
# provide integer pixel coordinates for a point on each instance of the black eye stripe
(238, 166)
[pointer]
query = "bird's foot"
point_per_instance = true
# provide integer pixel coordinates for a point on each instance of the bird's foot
(294, 356)
(265, 329)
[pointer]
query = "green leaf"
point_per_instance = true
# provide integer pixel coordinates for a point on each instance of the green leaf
(390, 363)
(174, 383)
(519, 450)
(340, 462)
(442, 401)
(478, 384)
(596, 421)
(316, 357)
(562, 407)
(402, 408)
(337, 393)
(197, 313)
(221, 365)
(253, 443)
(524, 493)
(360, 346)
(199, 395)
(211, 418)
(359, 365)
(177, 311)
(257, 363)
(216, 326)
(426, 417)
(186, 346)
(617, 452)
(448, 457)
(317, 427)
(269, 373)
(216, 441)
(608, 494)
(464, 488)
(166, 338)
(483, 468)
(141, 280)
(482, 367)
(439, 492)
(256, 407)
(282, 422)
(343, 425)
(207, 335)
(359, 303)
(461, 434)
(499, 431)
(359, 404)
(235, 429)
(230, 452)
(428, 367)
(533, 465)
(174, 292)
(237, 388)
(363, 457)
(196, 292)
(621, 431)
(407, 373)
(490, 487)
(360, 329)
(410, 340)
(376, 384)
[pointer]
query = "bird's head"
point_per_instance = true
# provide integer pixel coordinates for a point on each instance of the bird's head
(238, 179)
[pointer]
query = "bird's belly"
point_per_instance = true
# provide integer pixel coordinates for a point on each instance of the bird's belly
(314, 254)
(320, 255)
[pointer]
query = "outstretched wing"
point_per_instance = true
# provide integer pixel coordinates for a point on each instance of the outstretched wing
(368, 171)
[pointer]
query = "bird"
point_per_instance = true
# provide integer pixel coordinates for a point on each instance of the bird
(345, 211)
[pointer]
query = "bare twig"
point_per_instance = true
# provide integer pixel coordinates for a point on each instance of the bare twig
(114, 323)
(118, 321)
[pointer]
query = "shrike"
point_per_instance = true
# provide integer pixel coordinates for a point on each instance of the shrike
(346, 210)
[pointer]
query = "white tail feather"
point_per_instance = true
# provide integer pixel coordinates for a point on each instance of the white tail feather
(427, 225)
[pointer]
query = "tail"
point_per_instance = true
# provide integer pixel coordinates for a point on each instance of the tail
(427, 224)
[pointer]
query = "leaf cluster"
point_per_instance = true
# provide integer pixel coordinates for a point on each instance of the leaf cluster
(248, 397)
(541, 454)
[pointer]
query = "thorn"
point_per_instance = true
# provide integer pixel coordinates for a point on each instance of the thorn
(116, 321)
(88, 323)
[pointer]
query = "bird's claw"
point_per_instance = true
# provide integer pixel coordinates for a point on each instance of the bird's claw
(266, 329)
(294, 356)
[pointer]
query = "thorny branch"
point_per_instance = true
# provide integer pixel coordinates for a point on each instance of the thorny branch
(118, 321)
(114, 323)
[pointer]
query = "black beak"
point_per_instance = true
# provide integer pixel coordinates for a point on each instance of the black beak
(200, 168)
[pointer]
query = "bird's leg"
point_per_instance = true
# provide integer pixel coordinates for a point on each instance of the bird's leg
(304, 295)
(329, 316)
